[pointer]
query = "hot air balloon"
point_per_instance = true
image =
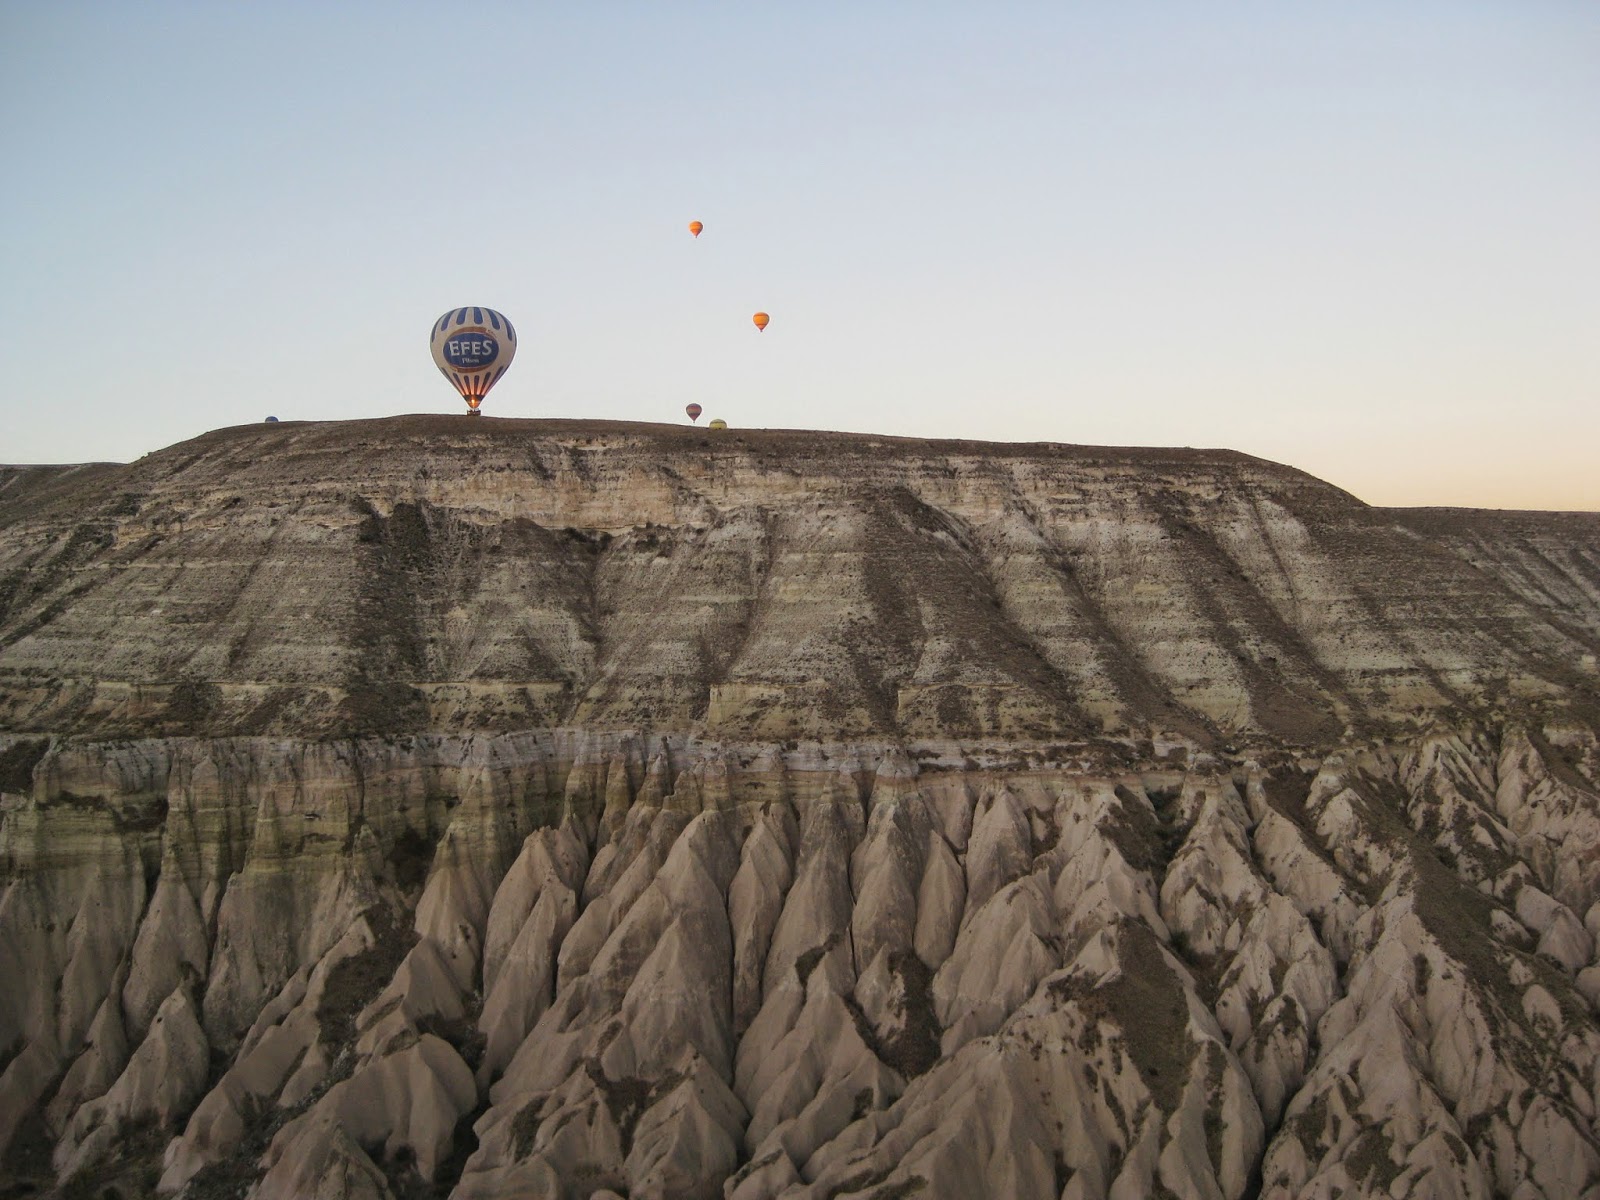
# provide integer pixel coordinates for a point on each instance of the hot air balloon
(695, 227)
(717, 423)
(271, 421)
(473, 347)
(694, 411)
(761, 320)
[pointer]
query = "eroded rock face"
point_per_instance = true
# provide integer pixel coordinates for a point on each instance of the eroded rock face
(565, 812)
(824, 971)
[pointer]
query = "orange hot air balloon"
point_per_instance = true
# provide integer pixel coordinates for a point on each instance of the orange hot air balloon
(694, 411)
(695, 227)
(761, 320)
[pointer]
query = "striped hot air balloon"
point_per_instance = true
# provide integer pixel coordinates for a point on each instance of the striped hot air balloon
(473, 347)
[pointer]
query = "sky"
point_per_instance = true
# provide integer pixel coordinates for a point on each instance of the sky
(1361, 238)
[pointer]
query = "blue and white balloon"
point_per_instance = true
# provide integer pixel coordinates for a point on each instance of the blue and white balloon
(473, 347)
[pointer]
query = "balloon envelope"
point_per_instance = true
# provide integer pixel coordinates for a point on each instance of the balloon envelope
(695, 227)
(761, 320)
(694, 411)
(472, 347)
(717, 423)
(271, 421)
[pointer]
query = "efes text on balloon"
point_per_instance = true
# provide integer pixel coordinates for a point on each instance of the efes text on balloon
(471, 348)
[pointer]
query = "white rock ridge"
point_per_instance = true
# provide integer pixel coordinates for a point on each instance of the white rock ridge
(583, 811)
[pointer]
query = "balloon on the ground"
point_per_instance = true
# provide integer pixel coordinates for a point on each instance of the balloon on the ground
(473, 347)
(761, 320)
(695, 227)
(694, 411)
(717, 423)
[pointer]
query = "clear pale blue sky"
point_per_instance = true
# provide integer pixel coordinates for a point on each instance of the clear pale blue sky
(1362, 238)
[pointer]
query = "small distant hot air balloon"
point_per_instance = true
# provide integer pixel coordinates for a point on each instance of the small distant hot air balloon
(694, 411)
(473, 347)
(717, 423)
(695, 227)
(761, 320)
(271, 421)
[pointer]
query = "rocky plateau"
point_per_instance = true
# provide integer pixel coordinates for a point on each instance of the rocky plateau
(482, 808)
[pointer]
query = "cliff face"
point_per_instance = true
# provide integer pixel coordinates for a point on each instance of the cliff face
(412, 574)
(509, 808)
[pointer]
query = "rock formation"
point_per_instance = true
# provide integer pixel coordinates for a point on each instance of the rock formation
(570, 810)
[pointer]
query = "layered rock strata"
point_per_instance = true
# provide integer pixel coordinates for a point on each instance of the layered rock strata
(414, 574)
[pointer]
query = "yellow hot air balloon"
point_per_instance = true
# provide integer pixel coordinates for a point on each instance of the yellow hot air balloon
(695, 227)
(717, 423)
(473, 347)
(761, 320)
